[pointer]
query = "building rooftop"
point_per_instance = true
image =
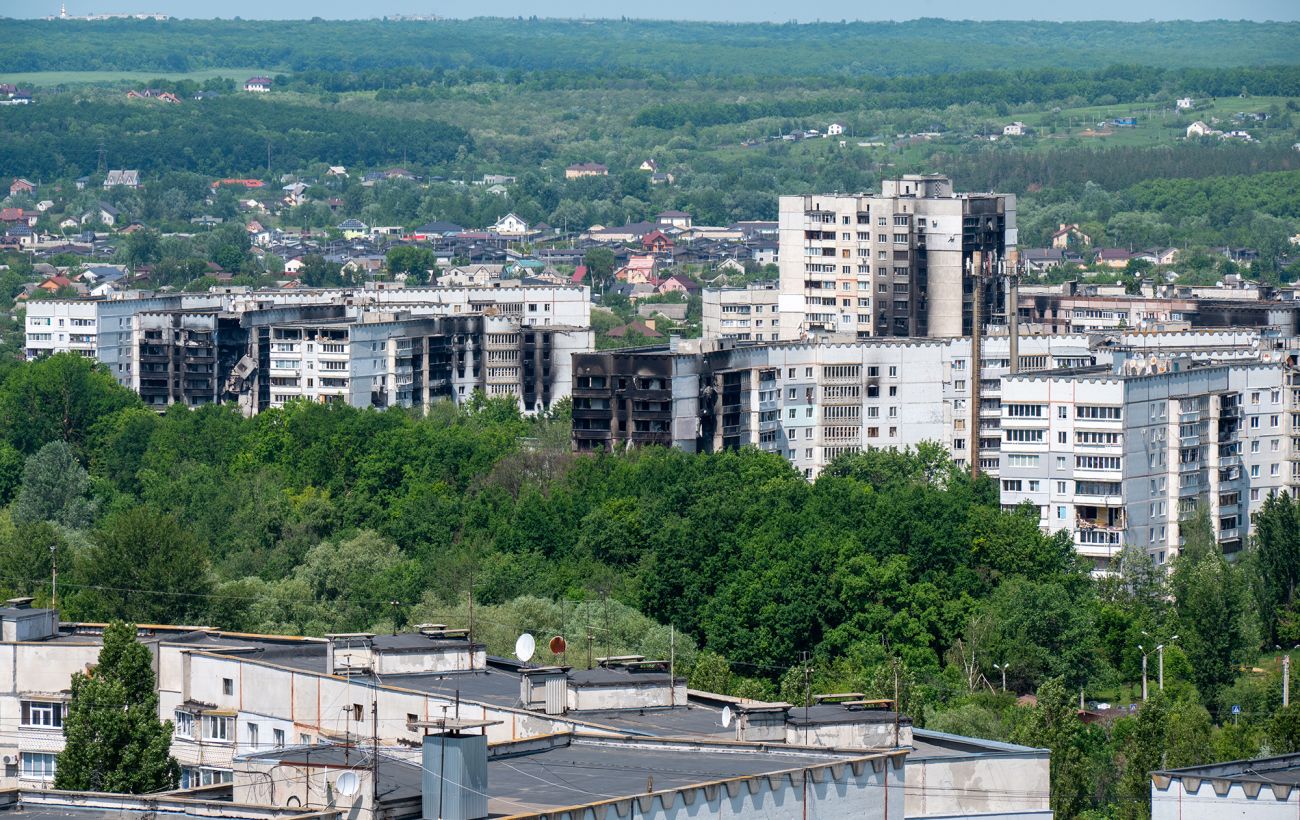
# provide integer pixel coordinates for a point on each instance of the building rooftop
(1284, 769)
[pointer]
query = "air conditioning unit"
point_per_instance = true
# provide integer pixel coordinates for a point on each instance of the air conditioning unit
(11, 760)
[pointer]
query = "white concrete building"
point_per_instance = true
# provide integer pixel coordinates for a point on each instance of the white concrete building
(895, 263)
(1119, 455)
(744, 314)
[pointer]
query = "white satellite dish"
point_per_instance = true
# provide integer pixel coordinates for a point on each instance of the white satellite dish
(525, 646)
(347, 784)
(726, 716)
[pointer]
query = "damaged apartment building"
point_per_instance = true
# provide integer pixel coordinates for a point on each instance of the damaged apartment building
(363, 347)
(812, 401)
(903, 262)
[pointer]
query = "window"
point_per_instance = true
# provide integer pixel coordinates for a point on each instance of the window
(195, 776)
(42, 713)
(217, 727)
(184, 722)
(1060, 513)
(1022, 460)
(1096, 462)
(38, 765)
(1025, 411)
(1061, 438)
(253, 733)
(277, 735)
(1011, 485)
(1089, 411)
(227, 686)
(1272, 421)
(1035, 436)
(1061, 412)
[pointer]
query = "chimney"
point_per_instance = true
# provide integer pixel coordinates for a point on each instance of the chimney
(455, 775)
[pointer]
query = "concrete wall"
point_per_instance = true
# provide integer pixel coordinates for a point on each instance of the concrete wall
(1178, 801)
(986, 786)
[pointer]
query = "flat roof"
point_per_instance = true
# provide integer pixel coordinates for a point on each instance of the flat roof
(590, 770)
(927, 744)
(1283, 769)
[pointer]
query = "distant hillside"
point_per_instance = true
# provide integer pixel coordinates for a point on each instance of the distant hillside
(667, 48)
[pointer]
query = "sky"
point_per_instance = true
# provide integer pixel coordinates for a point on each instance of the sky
(730, 10)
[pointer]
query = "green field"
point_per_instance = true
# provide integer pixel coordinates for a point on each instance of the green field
(50, 79)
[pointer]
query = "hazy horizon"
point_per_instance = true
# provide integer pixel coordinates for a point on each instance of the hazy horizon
(685, 10)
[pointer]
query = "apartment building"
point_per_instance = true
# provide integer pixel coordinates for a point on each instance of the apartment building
(61, 325)
(897, 263)
(746, 314)
(383, 358)
(245, 705)
(1119, 455)
(811, 401)
(202, 348)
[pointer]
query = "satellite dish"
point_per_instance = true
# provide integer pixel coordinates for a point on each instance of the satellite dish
(347, 784)
(726, 716)
(558, 645)
(525, 646)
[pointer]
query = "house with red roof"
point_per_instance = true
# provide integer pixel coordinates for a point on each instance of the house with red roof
(21, 186)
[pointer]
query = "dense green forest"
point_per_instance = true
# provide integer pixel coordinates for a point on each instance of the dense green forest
(673, 48)
(318, 518)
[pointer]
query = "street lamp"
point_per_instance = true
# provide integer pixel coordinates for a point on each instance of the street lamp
(1003, 669)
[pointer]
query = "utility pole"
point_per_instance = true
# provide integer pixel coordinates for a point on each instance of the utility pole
(672, 665)
(807, 697)
(897, 706)
(976, 269)
(1286, 680)
(54, 576)
(374, 755)
(1144, 672)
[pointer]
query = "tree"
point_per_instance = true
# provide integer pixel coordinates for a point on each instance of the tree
(144, 565)
(55, 487)
(1284, 731)
(1277, 556)
(143, 247)
(600, 264)
(411, 260)
(115, 742)
(58, 398)
(1053, 724)
(1213, 606)
(1143, 742)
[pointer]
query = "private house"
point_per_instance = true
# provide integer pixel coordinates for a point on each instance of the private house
(1200, 129)
(661, 178)
(104, 213)
(677, 219)
(678, 284)
(153, 94)
(586, 169)
(17, 216)
(1185, 103)
(509, 225)
(258, 85)
(1069, 235)
(337, 171)
(1015, 129)
(353, 229)
(649, 165)
(657, 242)
(835, 129)
(1113, 257)
(125, 178)
(21, 186)
(435, 230)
